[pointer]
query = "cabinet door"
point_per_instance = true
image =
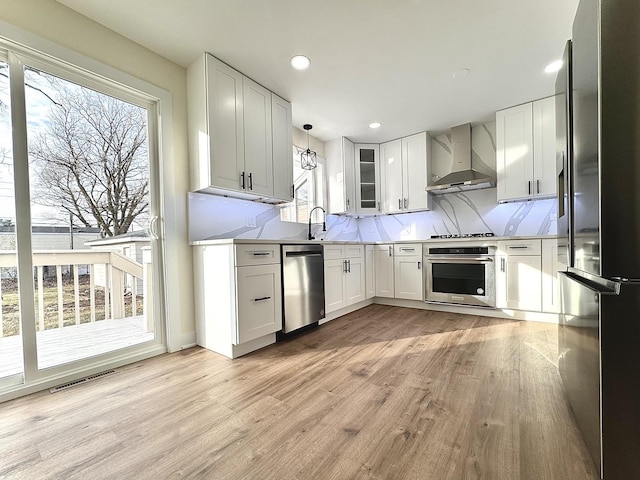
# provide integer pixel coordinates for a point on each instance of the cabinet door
(258, 149)
(225, 124)
(414, 168)
(259, 302)
(348, 158)
(367, 178)
(334, 284)
(384, 271)
(355, 281)
(369, 266)
(544, 147)
(391, 176)
(523, 282)
(408, 275)
(514, 156)
(282, 148)
(550, 268)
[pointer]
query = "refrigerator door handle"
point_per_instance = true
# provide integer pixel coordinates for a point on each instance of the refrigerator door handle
(597, 284)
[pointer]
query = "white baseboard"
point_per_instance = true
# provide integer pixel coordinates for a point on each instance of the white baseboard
(188, 340)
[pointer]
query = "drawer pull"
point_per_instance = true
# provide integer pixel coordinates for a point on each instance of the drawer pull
(261, 254)
(519, 247)
(407, 249)
(261, 299)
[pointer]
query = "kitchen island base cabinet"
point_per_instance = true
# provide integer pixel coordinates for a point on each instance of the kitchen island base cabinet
(238, 297)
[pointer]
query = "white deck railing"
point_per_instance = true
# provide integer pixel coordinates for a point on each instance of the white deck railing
(118, 275)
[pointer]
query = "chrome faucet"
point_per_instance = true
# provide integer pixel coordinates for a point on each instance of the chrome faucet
(324, 222)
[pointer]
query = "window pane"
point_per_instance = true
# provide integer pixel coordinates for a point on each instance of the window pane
(89, 182)
(10, 331)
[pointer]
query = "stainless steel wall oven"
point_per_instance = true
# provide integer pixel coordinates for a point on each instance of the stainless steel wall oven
(462, 275)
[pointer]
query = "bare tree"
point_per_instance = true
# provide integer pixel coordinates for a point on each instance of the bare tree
(91, 159)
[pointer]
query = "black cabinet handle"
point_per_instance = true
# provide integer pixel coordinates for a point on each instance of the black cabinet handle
(529, 187)
(261, 299)
(242, 180)
(538, 185)
(250, 181)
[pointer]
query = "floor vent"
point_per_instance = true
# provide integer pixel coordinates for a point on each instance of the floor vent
(64, 386)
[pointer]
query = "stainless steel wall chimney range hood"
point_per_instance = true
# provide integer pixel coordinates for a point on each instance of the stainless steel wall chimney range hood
(462, 177)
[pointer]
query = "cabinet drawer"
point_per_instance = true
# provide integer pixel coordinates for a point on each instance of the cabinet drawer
(332, 252)
(520, 247)
(407, 249)
(354, 251)
(257, 254)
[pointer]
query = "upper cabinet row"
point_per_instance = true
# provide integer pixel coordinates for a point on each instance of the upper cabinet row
(366, 179)
(240, 134)
(526, 150)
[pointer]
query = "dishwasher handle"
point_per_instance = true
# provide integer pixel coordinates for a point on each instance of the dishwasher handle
(306, 253)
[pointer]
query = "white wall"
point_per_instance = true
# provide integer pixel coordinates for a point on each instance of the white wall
(63, 26)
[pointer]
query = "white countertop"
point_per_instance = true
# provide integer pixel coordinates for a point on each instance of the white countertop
(238, 241)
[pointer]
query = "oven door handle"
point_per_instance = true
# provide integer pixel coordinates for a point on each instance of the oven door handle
(458, 260)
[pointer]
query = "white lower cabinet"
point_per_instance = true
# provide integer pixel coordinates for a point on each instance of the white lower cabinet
(258, 290)
(344, 276)
(369, 271)
(550, 269)
(519, 275)
(383, 260)
(407, 271)
(238, 297)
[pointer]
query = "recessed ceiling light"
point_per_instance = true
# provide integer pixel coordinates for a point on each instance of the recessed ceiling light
(553, 67)
(463, 72)
(300, 62)
(375, 125)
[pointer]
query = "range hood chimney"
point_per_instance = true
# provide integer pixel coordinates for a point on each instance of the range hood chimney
(462, 177)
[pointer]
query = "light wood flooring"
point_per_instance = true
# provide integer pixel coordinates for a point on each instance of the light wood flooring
(382, 393)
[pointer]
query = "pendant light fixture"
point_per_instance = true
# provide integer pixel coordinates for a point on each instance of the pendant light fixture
(308, 158)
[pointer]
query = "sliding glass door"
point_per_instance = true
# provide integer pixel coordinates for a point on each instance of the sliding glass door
(79, 259)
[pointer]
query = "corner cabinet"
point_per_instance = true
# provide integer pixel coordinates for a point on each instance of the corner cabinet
(526, 150)
(404, 174)
(240, 135)
(238, 297)
(367, 169)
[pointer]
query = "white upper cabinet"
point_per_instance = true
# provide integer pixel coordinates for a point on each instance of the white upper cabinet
(237, 134)
(367, 170)
(340, 176)
(258, 154)
(404, 174)
(391, 169)
(282, 148)
(525, 137)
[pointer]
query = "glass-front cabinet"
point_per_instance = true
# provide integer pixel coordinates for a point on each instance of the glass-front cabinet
(367, 178)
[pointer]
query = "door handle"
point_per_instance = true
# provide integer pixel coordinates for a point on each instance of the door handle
(538, 185)
(348, 204)
(502, 264)
(348, 266)
(419, 265)
(344, 266)
(378, 206)
(293, 191)
(399, 204)
(529, 187)
(390, 252)
(250, 181)
(405, 203)
(261, 299)
(242, 180)
(153, 227)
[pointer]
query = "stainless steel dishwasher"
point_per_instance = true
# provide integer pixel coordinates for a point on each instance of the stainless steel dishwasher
(302, 286)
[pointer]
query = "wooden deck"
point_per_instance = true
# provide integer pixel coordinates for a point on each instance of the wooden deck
(63, 345)
(384, 393)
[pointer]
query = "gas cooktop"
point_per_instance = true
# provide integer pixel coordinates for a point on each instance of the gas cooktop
(464, 235)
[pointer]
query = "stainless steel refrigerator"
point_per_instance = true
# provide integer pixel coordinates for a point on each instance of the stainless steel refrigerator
(598, 115)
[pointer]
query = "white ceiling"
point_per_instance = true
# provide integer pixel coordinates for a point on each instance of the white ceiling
(371, 60)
